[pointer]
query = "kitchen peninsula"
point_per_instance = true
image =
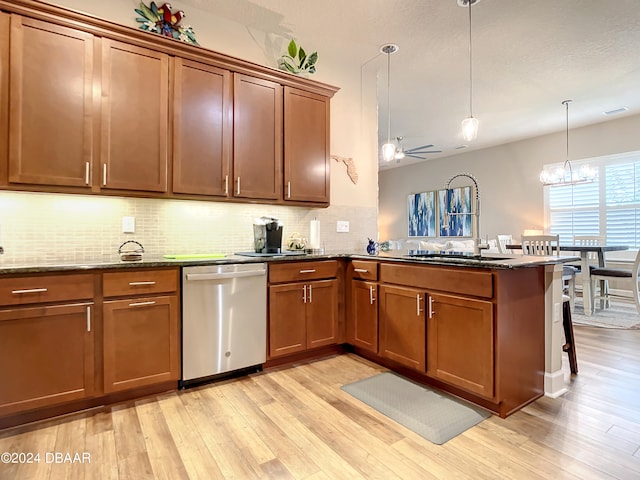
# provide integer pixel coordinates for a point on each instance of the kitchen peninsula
(475, 326)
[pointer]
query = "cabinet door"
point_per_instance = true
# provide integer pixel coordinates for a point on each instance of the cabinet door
(257, 138)
(322, 313)
(50, 107)
(363, 331)
(141, 342)
(287, 324)
(135, 93)
(402, 326)
(202, 126)
(461, 340)
(46, 356)
(306, 146)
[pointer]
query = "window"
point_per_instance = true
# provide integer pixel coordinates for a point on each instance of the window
(609, 206)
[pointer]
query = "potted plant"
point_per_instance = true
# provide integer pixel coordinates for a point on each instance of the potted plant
(297, 61)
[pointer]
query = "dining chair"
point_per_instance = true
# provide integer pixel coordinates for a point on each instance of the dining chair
(503, 240)
(549, 245)
(630, 277)
(585, 240)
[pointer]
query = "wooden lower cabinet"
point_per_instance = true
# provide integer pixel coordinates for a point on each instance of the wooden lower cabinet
(362, 324)
(402, 326)
(46, 356)
(461, 343)
(302, 315)
(141, 342)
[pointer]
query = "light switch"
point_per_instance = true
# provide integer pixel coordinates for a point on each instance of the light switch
(342, 226)
(128, 224)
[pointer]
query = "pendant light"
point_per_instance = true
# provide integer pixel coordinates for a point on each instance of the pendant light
(565, 175)
(470, 124)
(389, 149)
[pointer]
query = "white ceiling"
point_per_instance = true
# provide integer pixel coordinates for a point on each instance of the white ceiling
(528, 56)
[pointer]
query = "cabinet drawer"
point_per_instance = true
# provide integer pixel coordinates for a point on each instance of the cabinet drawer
(455, 280)
(139, 282)
(364, 270)
(302, 271)
(45, 289)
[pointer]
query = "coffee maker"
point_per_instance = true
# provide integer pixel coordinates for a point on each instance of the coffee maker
(267, 235)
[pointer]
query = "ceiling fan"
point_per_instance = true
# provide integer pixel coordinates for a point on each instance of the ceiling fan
(412, 152)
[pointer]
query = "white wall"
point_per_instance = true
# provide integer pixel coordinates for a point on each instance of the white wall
(511, 195)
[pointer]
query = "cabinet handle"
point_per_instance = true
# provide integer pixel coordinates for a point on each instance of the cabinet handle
(137, 284)
(310, 297)
(226, 184)
(86, 173)
(141, 304)
(88, 319)
(304, 293)
(29, 290)
(311, 270)
(288, 189)
(431, 312)
(418, 309)
(238, 186)
(371, 297)
(104, 174)
(361, 270)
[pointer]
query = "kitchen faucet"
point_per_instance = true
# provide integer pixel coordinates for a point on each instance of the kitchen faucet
(478, 246)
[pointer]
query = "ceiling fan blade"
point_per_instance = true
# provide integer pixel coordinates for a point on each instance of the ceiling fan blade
(414, 156)
(415, 149)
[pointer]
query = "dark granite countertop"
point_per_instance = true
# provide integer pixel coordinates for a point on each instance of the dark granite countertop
(486, 260)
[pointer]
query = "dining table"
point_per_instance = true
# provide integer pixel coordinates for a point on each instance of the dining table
(584, 251)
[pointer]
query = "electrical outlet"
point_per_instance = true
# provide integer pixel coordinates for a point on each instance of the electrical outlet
(128, 224)
(342, 226)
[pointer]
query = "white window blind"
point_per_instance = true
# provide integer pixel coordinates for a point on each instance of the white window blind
(609, 206)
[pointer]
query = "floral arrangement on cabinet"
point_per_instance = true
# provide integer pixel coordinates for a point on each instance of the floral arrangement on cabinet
(163, 21)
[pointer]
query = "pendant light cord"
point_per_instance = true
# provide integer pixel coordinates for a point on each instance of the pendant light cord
(470, 66)
(389, 96)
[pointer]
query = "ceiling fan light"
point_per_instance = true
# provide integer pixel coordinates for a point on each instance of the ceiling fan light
(470, 129)
(399, 155)
(388, 151)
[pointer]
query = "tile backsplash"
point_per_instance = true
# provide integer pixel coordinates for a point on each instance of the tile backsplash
(41, 227)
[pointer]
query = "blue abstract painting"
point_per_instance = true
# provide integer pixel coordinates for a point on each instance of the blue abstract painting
(421, 214)
(457, 201)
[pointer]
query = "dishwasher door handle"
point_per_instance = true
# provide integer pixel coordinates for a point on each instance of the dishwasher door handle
(217, 276)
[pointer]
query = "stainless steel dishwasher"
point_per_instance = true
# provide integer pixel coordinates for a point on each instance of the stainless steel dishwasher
(224, 319)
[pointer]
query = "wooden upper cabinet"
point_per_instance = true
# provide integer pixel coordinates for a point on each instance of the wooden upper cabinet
(306, 146)
(134, 136)
(202, 129)
(50, 104)
(257, 140)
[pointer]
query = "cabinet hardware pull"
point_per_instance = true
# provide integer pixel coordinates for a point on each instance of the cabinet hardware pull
(86, 173)
(141, 304)
(418, 309)
(238, 187)
(361, 270)
(288, 189)
(431, 312)
(88, 319)
(226, 184)
(104, 174)
(29, 290)
(304, 293)
(310, 297)
(311, 270)
(371, 297)
(137, 284)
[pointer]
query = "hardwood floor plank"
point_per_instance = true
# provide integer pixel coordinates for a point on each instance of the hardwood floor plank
(131, 449)
(104, 459)
(196, 457)
(162, 452)
(70, 441)
(34, 441)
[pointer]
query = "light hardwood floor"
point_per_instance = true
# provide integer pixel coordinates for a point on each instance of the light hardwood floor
(297, 423)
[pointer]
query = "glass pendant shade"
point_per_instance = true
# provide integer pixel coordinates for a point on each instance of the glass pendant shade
(388, 151)
(470, 128)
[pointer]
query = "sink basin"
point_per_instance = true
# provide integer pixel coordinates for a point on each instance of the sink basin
(454, 255)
